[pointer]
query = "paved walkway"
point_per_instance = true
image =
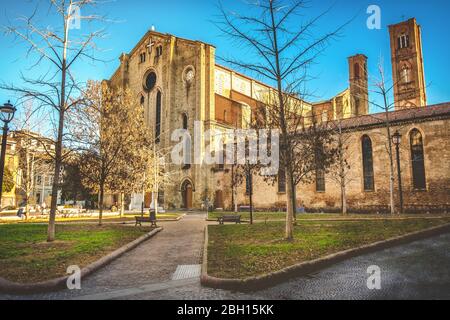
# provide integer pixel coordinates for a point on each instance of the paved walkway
(419, 270)
(152, 262)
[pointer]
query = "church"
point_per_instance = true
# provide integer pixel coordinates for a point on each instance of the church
(178, 83)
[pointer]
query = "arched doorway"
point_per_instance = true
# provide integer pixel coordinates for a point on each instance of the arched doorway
(186, 192)
(218, 201)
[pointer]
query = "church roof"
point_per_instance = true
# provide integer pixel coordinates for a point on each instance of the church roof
(406, 115)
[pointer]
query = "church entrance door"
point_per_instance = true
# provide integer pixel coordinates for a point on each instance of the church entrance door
(186, 191)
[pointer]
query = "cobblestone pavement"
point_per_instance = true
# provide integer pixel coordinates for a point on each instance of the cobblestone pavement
(419, 270)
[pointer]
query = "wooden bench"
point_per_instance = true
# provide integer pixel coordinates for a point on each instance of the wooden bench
(140, 220)
(229, 218)
(244, 208)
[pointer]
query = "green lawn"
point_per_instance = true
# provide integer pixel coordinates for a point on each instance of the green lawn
(241, 251)
(26, 257)
(125, 218)
(278, 216)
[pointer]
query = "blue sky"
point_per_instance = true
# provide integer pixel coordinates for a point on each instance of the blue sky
(192, 19)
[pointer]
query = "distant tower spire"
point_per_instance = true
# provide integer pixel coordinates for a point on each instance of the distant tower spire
(407, 65)
(359, 91)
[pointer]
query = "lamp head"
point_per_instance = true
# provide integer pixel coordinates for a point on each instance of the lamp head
(397, 138)
(7, 112)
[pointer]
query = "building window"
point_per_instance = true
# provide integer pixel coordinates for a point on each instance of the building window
(405, 75)
(150, 81)
(159, 51)
(187, 143)
(185, 121)
(142, 57)
(356, 70)
(417, 160)
(221, 164)
(403, 41)
(369, 183)
(189, 75)
(281, 181)
(39, 179)
(320, 180)
(224, 115)
(142, 101)
(158, 117)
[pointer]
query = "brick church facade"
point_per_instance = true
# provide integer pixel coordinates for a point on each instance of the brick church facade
(178, 82)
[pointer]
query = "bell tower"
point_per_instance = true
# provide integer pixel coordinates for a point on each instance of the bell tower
(407, 65)
(359, 92)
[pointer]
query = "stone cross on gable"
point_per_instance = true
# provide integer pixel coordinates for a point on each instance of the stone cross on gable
(150, 45)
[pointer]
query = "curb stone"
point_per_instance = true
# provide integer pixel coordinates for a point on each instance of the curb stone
(307, 267)
(57, 284)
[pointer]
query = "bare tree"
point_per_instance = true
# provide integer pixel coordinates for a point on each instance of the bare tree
(110, 130)
(383, 87)
(314, 151)
(383, 90)
(281, 47)
(59, 48)
(340, 170)
(157, 173)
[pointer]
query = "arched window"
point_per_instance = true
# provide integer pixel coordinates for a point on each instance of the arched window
(369, 183)
(320, 180)
(159, 51)
(142, 101)
(405, 75)
(185, 121)
(417, 160)
(403, 41)
(158, 117)
(356, 70)
(187, 157)
(221, 164)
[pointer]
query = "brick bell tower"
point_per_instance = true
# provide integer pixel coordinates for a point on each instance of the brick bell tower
(407, 65)
(359, 92)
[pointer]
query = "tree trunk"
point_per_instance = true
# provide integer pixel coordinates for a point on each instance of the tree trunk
(233, 190)
(391, 187)
(290, 210)
(344, 198)
(156, 194)
(100, 203)
(391, 170)
(122, 200)
(391, 160)
(55, 186)
(294, 202)
(58, 147)
(251, 198)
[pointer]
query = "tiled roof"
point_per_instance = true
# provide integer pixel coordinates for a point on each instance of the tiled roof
(405, 115)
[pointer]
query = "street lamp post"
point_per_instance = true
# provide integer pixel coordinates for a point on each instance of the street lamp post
(397, 138)
(7, 112)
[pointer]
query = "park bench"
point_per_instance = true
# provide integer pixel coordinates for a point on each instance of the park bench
(229, 218)
(140, 220)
